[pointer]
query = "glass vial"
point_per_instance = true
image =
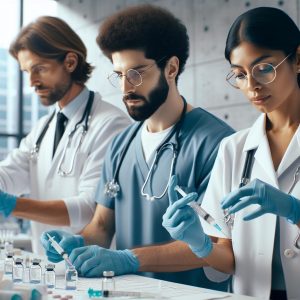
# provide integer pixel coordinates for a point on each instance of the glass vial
(8, 264)
(50, 276)
(35, 271)
(108, 282)
(71, 278)
(18, 270)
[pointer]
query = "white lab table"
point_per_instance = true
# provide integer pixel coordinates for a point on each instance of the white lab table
(164, 289)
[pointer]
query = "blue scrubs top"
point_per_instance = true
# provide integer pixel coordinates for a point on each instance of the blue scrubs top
(139, 221)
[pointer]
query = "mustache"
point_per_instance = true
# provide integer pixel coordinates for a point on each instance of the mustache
(40, 88)
(133, 97)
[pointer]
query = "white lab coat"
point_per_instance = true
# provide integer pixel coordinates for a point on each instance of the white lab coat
(40, 180)
(253, 241)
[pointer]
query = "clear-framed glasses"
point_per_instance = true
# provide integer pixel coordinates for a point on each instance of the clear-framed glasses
(133, 76)
(263, 73)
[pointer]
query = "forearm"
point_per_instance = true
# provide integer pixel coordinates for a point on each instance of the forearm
(53, 212)
(101, 228)
(221, 257)
(177, 256)
(172, 257)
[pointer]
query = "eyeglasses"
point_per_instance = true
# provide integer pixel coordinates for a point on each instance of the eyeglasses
(133, 76)
(263, 73)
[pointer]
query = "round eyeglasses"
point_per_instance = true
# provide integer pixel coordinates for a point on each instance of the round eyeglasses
(133, 76)
(263, 73)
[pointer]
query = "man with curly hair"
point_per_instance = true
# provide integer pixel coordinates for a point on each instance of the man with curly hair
(148, 47)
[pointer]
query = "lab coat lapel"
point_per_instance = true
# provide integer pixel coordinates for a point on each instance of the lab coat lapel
(257, 138)
(291, 154)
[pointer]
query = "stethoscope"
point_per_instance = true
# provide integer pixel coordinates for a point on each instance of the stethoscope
(112, 187)
(245, 179)
(85, 118)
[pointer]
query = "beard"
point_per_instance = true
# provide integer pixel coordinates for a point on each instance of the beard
(55, 94)
(156, 98)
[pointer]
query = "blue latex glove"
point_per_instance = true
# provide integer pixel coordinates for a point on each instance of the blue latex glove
(91, 261)
(66, 240)
(7, 203)
(270, 199)
(183, 223)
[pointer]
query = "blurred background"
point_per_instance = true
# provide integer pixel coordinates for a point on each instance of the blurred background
(202, 83)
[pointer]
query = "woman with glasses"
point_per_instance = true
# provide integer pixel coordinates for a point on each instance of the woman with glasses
(254, 193)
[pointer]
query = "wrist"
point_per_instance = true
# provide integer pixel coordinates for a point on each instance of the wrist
(130, 262)
(9, 203)
(80, 240)
(294, 214)
(204, 249)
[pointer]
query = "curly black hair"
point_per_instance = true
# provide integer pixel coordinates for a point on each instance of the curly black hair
(148, 28)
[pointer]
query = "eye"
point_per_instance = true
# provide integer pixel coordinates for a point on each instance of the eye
(239, 75)
(264, 68)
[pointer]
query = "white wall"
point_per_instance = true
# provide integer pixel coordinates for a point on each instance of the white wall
(208, 21)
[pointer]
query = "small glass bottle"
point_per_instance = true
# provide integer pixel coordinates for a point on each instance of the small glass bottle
(50, 276)
(108, 282)
(71, 278)
(18, 270)
(8, 264)
(35, 271)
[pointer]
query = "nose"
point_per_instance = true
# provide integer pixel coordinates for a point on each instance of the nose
(252, 83)
(126, 86)
(33, 79)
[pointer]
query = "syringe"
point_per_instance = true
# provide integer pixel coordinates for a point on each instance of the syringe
(59, 249)
(201, 212)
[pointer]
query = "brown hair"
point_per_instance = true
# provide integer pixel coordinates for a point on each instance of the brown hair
(52, 38)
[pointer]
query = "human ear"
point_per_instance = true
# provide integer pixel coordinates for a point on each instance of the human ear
(172, 67)
(71, 61)
(298, 59)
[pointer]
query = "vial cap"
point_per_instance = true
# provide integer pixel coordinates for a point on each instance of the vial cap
(9, 254)
(18, 261)
(36, 261)
(108, 273)
(50, 267)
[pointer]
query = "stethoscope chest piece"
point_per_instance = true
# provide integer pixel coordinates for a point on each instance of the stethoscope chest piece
(111, 188)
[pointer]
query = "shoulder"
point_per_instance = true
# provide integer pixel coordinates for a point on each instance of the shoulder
(121, 139)
(205, 127)
(103, 108)
(234, 143)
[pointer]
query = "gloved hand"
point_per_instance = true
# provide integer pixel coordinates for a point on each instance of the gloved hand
(66, 240)
(270, 199)
(183, 223)
(91, 261)
(7, 203)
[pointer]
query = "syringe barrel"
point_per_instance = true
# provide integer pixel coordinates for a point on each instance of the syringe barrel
(199, 210)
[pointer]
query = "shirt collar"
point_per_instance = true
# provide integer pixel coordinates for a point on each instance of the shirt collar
(70, 110)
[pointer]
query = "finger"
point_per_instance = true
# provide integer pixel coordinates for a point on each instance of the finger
(94, 272)
(181, 215)
(244, 202)
(181, 203)
(53, 257)
(76, 253)
(233, 197)
(89, 264)
(257, 213)
(177, 232)
(171, 190)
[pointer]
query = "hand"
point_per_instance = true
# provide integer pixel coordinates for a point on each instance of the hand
(270, 199)
(91, 261)
(183, 223)
(66, 240)
(7, 203)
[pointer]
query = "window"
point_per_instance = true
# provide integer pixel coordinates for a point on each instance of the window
(18, 111)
